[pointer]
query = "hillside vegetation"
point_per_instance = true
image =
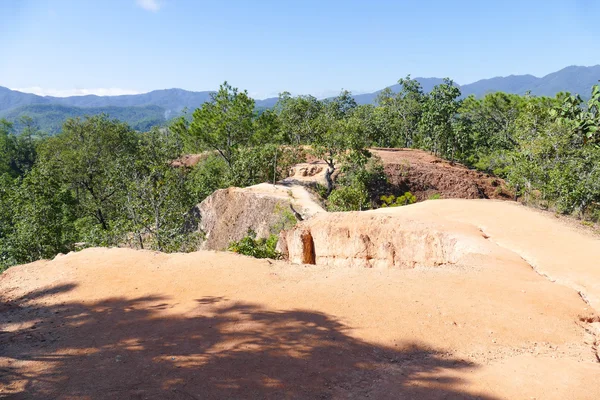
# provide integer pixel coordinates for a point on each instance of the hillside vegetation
(51, 117)
(49, 112)
(101, 182)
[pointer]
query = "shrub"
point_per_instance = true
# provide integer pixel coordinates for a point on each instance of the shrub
(348, 198)
(207, 176)
(435, 196)
(257, 248)
(393, 201)
(287, 219)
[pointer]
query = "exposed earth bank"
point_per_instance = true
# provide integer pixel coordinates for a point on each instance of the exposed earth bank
(501, 316)
(420, 173)
(228, 214)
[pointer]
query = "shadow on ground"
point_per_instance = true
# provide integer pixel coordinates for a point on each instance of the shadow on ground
(137, 348)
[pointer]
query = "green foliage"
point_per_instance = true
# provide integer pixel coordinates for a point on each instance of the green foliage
(298, 117)
(250, 144)
(348, 198)
(89, 157)
(18, 150)
(340, 134)
(361, 179)
(51, 117)
(257, 248)
(398, 115)
(584, 122)
(434, 196)
(207, 176)
(287, 219)
(439, 128)
(43, 216)
(266, 163)
(156, 197)
(393, 201)
(225, 123)
(96, 183)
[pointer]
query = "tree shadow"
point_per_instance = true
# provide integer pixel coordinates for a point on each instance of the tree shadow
(146, 348)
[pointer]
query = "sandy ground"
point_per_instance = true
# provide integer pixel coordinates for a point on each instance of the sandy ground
(555, 249)
(125, 324)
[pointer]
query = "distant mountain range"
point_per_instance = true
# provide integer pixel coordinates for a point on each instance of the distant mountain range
(155, 108)
(572, 79)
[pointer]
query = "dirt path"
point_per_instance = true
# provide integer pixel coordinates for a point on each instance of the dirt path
(117, 323)
(553, 248)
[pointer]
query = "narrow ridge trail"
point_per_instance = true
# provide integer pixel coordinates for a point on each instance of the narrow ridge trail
(554, 249)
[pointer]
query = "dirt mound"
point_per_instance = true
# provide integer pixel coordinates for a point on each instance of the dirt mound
(228, 214)
(369, 240)
(418, 172)
(190, 160)
(425, 175)
(307, 173)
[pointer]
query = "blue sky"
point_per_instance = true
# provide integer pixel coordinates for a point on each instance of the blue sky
(127, 46)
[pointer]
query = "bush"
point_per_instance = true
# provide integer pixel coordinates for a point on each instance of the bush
(362, 179)
(257, 248)
(207, 176)
(435, 196)
(287, 219)
(348, 198)
(393, 201)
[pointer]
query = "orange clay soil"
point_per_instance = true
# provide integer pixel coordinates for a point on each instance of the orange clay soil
(126, 324)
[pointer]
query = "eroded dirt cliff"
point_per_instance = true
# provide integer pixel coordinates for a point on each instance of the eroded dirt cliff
(228, 214)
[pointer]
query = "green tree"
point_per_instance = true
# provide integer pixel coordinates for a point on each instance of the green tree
(298, 117)
(401, 113)
(225, 123)
(440, 110)
(6, 147)
(87, 158)
(42, 221)
(584, 121)
(156, 197)
(339, 139)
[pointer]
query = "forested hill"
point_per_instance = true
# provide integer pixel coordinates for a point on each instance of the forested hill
(140, 111)
(571, 79)
(51, 117)
(172, 101)
(157, 107)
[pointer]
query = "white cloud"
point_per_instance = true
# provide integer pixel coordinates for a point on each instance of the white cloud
(149, 5)
(76, 92)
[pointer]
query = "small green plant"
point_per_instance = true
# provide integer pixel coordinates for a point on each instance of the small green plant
(287, 219)
(348, 198)
(257, 248)
(393, 201)
(435, 196)
(321, 191)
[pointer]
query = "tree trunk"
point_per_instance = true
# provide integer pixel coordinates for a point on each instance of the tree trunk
(328, 178)
(101, 219)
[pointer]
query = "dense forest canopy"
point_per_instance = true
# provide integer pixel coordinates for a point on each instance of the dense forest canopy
(102, 182)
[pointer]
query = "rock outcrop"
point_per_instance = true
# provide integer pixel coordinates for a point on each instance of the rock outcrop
(375, 240)
(308, 173)
(228, 214)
